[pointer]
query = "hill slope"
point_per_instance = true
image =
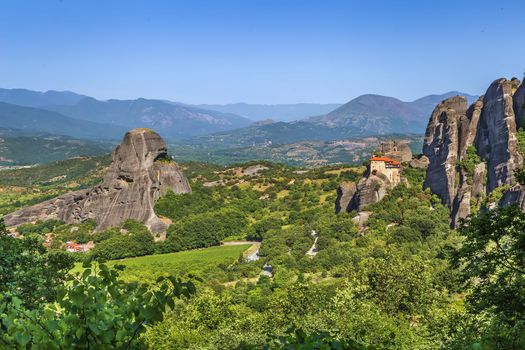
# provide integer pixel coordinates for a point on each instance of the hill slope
(171, 120)
(30, 98)
(36, 120)
(280, 112)
(366, 115)
(383, 114)
(25, 150)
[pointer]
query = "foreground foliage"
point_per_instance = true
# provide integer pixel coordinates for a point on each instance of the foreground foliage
(492, 258)
(93, 310)
(28, 271)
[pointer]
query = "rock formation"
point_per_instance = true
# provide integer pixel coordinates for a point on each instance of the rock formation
(370, 189)
(496, 140)
(140, 173)
(419, 163)
(441, 147)
(472, 151)
(345, 193)
(519, 105)
(397, 150)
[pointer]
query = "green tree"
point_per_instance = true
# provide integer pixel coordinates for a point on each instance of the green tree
(95, 310)
(492, 258)
(28, 270)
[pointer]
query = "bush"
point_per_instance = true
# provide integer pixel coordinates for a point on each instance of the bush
(138, 241)
(204, 230)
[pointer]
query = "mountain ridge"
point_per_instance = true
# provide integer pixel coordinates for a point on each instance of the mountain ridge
(366, 115)
(37, 120)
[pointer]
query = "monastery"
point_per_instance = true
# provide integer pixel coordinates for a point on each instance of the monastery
(388, 167)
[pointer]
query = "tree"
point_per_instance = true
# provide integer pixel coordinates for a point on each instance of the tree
(299, 340)
(95, 310)
(28, 270)
(493, 261)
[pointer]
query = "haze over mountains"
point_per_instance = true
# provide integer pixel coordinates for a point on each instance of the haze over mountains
(219, 126)
(41, 121)
(366, 115)
(281, 112)
(174, 121)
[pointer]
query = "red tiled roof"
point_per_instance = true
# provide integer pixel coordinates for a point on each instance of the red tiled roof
(385, 159)
(74, 245)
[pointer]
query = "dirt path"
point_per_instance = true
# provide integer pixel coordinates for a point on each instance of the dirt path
(251, 252)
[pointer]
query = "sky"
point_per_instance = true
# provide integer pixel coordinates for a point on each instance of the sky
(260, 51)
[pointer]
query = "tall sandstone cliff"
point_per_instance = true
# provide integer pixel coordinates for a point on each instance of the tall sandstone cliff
(140, 173)
(472, 150)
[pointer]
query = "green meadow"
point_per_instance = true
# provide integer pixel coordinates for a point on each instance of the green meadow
(213, 261)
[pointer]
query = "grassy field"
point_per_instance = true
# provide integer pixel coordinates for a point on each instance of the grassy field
(209, 263)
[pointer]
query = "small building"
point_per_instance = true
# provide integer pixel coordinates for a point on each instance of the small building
(386, 166)
(77, 248)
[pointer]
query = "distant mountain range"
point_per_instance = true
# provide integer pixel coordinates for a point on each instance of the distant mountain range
(40, 121)
(384, 115)
(217, 126)
(172, 120)
(19, 148)
(280, 112)
(30, 98)
(366, 115)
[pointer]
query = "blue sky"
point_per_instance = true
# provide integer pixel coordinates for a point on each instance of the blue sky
(259, 51)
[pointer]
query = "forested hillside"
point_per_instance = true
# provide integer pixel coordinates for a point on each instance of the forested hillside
(399, 281)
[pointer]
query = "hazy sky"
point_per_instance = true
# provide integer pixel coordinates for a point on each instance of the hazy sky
(268, 51)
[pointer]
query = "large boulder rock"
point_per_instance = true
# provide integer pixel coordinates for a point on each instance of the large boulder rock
(490, 127)
(519, 106)
(496, 140)
(370, 189)
(397, 150)
(461, 204)
(441, 147)
(419, 163)
(469, 127)
(140, 173)
(345, 193)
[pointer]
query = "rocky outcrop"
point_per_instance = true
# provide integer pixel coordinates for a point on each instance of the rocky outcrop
(345, 193)
(419, 163)
(474, 150)
(461, 204)
(515, 195)
(496, 140)
(140, 173)
(397, 150)
(469, 127)
(370, 189)
(518, 100)
(441, 147)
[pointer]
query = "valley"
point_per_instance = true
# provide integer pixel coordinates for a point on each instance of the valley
(262, 175)
(352, 236)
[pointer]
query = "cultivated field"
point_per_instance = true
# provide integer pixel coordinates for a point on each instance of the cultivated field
(200, 262)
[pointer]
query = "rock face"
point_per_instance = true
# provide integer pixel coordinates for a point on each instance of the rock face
(474, 150)
(370, 190)
(397, 150)
(519, 105)
(421, 163)
(345, 193)
(441, 147)
(140, 173)
(496, 140)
